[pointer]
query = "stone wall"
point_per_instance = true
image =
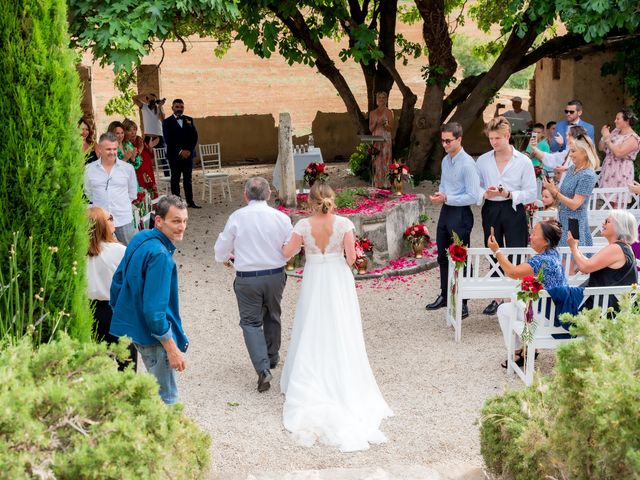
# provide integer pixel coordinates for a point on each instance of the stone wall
(560, 80)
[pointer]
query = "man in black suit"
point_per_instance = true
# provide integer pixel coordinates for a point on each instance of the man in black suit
(181, 137)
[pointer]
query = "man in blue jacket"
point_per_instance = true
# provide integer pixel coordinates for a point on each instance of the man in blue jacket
(573, 116)
(144, 297)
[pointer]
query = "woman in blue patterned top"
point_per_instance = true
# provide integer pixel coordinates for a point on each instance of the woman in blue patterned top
(575, 190)
(544, 240)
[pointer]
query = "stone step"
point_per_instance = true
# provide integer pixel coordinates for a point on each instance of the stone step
(397, 472)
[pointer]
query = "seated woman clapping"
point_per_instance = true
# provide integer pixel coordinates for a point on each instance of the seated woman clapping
(615, 264)
(544, 240)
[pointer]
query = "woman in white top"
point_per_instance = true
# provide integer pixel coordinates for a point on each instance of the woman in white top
(508, 181)
(331, 393)
(104, 256)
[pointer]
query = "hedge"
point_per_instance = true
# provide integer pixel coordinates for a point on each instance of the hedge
(43, 229)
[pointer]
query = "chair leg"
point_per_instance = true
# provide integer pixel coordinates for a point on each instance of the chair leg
(204, 186)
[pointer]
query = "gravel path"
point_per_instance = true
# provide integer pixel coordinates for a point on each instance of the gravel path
(435, 386)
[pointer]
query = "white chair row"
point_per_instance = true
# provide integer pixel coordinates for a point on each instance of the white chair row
(476, 280)
(544, 318)
(210, 162)
(596, 219)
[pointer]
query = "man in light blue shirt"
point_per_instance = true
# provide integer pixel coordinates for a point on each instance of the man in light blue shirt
(459, 189)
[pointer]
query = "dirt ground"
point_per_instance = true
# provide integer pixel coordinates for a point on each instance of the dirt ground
(435, 386)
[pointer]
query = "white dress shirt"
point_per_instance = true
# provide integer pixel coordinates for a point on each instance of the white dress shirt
(518, 177)
(557, 159)
(151, 120)
(100, 270)
(112, 191)
(254, 235)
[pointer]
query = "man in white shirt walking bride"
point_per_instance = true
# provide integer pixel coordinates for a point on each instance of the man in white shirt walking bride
(252, 240)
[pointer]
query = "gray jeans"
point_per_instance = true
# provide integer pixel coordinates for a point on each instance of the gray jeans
(259, 306)
(125, 233)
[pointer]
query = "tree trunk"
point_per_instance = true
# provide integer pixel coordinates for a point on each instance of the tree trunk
(442, 67)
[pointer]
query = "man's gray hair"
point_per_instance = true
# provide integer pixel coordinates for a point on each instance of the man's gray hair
(626, 226)
(108, 137)
(165, 203)
(257, 188)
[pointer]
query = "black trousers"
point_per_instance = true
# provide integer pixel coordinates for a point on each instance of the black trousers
(452, 219)
(102, 323)
(181, 167)
(510, 226)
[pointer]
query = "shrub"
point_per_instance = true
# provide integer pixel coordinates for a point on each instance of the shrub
(41, 168)
(68, 413)
(583, 421)
(347, 198)
(360, 162)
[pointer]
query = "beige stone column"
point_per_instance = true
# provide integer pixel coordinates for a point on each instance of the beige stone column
(287, 191)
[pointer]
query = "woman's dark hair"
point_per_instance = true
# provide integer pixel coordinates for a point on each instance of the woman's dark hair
(115, 124)
(629, 116)
(551, 231)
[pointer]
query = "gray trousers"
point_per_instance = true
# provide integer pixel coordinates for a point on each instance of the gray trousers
(259, 306)
(125, 233)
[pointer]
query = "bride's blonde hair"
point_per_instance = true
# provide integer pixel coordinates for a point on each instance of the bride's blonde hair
(321, 197)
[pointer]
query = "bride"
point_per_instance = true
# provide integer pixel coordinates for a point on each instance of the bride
(330, 392)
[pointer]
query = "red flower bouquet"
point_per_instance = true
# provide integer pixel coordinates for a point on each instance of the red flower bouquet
(530, 288)
(417, 231)
(314, 172)
(458, 252)
(363, 246)
(398, 172)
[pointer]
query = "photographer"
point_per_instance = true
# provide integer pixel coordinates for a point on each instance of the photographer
(152, 116)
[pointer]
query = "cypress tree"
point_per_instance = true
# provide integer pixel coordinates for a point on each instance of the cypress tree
(43, 229)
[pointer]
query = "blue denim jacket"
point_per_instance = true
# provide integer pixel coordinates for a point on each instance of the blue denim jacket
(144, 292)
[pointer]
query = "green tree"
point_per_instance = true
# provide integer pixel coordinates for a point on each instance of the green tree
(296, 30)
(43, 230)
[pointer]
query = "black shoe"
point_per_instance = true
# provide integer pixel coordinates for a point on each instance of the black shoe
(465, 311)
(263, 381)
(439, 302)
(273, 361)
(492, 308)
(193, 205)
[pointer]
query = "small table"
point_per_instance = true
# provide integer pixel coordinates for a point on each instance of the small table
(300, 160)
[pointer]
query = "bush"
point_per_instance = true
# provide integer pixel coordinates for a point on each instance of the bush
(347, 198)
(41, 171)
(360, 162)
(68, 413)
(583, 421)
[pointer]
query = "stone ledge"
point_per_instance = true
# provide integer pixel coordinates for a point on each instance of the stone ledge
(422, 264)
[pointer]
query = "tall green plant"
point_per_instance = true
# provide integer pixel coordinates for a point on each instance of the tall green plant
(42, 224)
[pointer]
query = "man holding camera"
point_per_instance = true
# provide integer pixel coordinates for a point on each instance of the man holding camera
(519, 119)
(152, 116)
(181, 137)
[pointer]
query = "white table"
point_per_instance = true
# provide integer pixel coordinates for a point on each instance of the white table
(300, 160)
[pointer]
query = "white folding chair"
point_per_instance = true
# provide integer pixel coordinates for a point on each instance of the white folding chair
(163, 183)
(211, 162)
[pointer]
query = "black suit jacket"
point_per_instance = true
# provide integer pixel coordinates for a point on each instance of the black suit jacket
(179, 138)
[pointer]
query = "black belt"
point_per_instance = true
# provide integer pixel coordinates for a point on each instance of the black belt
(260, 273)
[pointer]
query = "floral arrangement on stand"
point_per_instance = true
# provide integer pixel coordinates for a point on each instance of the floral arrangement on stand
(530, 288)
(313, 173)
(397, 174)
(531, 209)
(364, 248)
(417, 235)
(458, 254)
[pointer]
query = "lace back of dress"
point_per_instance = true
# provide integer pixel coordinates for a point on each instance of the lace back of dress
(335, 244)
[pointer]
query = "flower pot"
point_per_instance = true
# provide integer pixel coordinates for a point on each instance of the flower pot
(361, 265)
(418, 247)
(397, 187)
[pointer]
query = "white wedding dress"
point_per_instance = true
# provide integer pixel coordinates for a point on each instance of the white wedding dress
(331, 393)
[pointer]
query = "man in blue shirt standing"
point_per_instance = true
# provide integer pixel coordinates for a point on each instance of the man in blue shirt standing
(459, 188)
(144, 297)
(573, 114)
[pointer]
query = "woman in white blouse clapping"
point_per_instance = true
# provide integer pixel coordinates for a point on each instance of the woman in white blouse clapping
(508, 182)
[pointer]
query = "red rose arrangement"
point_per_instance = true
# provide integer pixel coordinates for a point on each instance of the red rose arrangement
(415, 232)
(314, 172)
(363, 246)
(458, 252)
(398, 172)
(530, 288)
